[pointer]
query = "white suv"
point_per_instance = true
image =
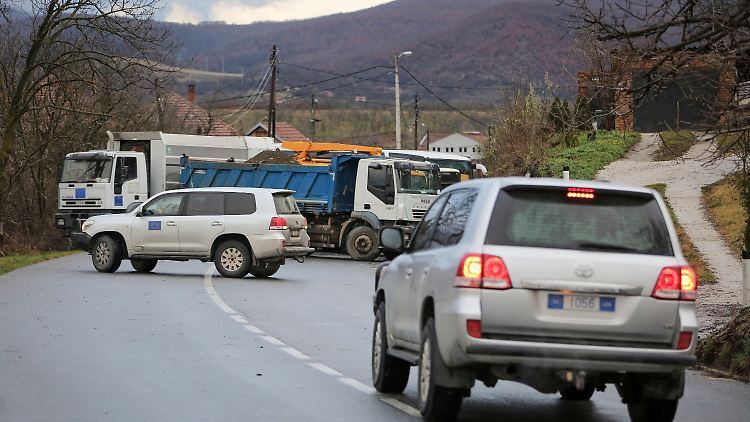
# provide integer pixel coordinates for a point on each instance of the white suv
(565, 286)
(243, 230)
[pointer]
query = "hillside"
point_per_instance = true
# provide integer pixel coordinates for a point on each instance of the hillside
(471, 44)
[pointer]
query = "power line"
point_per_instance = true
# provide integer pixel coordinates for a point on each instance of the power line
(467, 88)
(442, 100)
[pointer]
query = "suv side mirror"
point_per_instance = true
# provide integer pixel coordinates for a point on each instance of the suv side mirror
(132, 206)
(392, 239)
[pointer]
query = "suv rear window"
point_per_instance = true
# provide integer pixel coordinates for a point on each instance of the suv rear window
(608, 221)
(285, 203)
(240, 203)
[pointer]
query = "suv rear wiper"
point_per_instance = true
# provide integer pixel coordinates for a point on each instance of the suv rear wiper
(605, 246)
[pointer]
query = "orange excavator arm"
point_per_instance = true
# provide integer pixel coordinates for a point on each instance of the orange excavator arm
(304, 148)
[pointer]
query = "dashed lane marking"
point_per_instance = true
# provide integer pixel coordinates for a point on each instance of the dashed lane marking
(351, 382)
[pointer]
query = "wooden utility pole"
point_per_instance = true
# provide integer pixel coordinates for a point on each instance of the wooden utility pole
(272, 105)
(416, 122)
(313, 120)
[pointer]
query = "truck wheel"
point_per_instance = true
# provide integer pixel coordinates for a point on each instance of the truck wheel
(652, 410)
(573, 394)
(265, 269)
(436, 403)
(143, 265)
(389, 374)
(105, 254)
(362, 243)
(233, 259)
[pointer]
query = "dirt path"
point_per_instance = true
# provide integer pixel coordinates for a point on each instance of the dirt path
(684, 179)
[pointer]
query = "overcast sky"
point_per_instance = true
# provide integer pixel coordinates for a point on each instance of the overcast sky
(249, 11)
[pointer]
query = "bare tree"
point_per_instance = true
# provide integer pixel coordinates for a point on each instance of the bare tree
(664, 39)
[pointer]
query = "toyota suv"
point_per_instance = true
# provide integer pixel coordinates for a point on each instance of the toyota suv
(243, 230)
(565, 286)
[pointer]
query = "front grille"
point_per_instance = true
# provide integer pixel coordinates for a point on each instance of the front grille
(418, 214)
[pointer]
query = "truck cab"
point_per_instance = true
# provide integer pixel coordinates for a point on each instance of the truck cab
(99, 182)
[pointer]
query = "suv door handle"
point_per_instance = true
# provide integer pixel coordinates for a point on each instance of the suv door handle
(408, 272)
(217, 223)
(171, 223)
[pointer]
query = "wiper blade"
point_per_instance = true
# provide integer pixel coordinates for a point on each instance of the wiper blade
(605, 246)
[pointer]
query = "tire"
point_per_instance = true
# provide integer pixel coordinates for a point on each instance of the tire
(389, 374)
(652, 410)
(106, 255)
(265, 269)
(573, 394)
(362, 244)
(233, 259)
(436, 403)
(143, 265)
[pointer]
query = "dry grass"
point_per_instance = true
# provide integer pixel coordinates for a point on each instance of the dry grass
(724, 203)
(13, 262)
(704, 273)
(674, 145)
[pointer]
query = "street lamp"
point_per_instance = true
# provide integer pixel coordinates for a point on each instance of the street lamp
(398, 98)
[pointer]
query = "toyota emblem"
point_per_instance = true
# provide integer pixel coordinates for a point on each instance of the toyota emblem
(584, 271)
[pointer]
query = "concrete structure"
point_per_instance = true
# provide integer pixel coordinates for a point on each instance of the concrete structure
(467, 144)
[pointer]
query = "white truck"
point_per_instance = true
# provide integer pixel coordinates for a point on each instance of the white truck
(466, 169)
(135, 166)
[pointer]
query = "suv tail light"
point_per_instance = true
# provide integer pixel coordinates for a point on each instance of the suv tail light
(278, 223)
(305, 222)
(482, 271)
(676, 283)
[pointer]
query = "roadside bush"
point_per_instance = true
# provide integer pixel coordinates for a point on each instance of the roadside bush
(729, 349)
(589, 156)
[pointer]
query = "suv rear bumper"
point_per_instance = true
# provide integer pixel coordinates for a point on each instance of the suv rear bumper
(292, 251)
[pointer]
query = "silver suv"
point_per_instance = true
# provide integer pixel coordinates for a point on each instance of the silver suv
(243, 230)
(561, 285)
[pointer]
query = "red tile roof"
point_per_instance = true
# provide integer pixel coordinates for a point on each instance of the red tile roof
(284, 132)
(189, 118)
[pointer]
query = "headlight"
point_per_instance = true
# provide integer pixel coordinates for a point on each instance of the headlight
(60, 222)
(86, 224)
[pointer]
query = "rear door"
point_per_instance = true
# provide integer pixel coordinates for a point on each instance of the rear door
(156, 231)
(583, 268)
(286, 207)
(202, 223)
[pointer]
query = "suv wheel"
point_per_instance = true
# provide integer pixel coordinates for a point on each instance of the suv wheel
(265, 269)
(105, 254)
(362, 243)
(233, 259)
(652, 410)
(436, 403)
(573, 394)
(143, 265)
(389, 374)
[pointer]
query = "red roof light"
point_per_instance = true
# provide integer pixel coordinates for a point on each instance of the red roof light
(581, 193)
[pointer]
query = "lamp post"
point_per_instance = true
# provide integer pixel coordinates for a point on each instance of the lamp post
(398, 98)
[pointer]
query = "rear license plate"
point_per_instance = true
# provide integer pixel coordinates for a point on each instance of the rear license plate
(581, 303)
(294, 233)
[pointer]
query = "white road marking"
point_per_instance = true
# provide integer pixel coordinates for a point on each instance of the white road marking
(212, 293)
(239, 319)
(253, 329)
(351, 382)
(326, 369)
(291, 351)
(398, 404)
(273, 340)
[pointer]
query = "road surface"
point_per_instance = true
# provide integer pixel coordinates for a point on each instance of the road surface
(185, 344)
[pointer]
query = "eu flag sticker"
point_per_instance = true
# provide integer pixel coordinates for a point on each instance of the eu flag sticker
(154, 225)
(80, 193)
(118, 200)
(555, 301)
(606, 304)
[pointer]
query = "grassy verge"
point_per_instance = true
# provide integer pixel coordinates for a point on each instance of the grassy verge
(13, 262)
(704, 273)
(729, 349)
(674, 145)
(724, 204)
(589, 156)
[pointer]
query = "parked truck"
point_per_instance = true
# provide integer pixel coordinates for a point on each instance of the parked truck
(346, 201)
(135, 166)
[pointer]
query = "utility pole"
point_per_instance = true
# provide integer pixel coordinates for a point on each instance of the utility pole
(416, 122)
(313, 120)
(398, 98)
(272, 105)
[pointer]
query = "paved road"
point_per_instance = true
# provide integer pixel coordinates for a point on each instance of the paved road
(177, 345)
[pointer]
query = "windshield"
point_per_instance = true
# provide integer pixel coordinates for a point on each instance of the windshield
(418, 181)
(462, 166)
(605, 222)
(448, 178)
(86, 171)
